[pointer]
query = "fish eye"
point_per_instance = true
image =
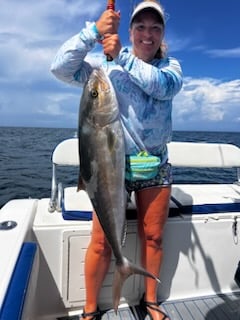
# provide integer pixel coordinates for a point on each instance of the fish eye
(94, 93)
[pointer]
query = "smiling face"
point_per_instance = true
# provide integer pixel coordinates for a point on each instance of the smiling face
(146, 35)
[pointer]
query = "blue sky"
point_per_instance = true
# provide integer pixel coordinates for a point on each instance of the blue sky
(203, 35)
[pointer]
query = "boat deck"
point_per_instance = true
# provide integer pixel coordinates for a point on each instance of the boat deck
(217, 307)
(222, 307)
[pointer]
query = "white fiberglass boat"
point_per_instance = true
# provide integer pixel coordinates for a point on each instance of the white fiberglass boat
(42, 246)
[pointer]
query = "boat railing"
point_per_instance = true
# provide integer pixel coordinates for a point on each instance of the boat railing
(181, 154)
(65, 154)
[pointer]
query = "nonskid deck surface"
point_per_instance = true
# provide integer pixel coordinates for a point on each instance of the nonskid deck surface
(216, 307)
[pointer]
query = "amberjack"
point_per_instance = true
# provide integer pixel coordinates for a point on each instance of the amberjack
(102, 169)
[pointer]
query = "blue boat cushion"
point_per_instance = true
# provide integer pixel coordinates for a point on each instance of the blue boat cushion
(76, 205)
(13, 303)
(76, 214)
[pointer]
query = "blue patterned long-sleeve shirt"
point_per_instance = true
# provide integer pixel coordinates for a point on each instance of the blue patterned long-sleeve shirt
(144, 90)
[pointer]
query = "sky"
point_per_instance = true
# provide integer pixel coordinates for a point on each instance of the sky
(202, 35)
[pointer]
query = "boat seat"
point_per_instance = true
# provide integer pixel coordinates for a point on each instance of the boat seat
(13, 303)
(195, 199)
(191, 199)
(76, 205)
(204, 155)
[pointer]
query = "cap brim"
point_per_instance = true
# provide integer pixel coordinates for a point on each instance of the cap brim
(148, 5)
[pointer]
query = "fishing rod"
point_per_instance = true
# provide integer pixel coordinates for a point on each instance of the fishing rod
(110, 6)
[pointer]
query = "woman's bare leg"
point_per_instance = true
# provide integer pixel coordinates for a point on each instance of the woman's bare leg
(97, 262)
(153, 207)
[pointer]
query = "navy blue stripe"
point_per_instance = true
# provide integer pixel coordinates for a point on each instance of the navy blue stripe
(211, 208)
(207, 208)
(76, 215)
(14, 299)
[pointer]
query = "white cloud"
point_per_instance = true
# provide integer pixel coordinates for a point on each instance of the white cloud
(225, 53)
(175, 43)
(60, 104)
(31, 32)
(207, 100)
(34, 19)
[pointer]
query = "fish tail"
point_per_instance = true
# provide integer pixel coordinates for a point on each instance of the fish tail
(122, 272)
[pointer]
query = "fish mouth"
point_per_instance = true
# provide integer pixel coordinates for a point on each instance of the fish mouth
(101, 80)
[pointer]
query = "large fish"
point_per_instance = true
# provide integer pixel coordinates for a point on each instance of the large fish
(102, 168)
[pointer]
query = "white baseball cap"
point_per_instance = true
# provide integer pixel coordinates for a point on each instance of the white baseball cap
(148, 5)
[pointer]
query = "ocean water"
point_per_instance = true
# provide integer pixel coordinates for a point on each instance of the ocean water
(26, 168)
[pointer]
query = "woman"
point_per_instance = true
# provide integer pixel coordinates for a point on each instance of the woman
(145, 81)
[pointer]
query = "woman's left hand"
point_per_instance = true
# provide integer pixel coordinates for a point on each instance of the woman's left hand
(108, 22)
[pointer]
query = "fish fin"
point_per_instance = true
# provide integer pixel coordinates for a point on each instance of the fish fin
(122, 272)
(81, 185)
(111, 139)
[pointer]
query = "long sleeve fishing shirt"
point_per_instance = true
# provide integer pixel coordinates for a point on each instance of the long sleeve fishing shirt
(144, 90)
